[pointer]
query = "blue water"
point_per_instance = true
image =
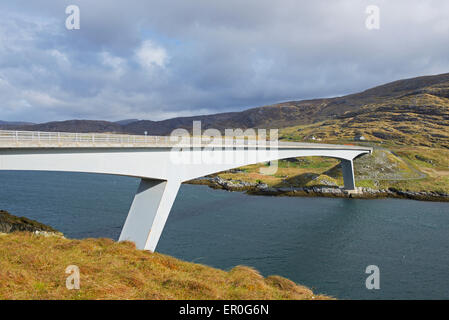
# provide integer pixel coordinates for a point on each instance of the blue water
(323, 243)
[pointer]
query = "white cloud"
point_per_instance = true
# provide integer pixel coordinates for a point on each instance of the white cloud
(41, 99)
(60, 57)
(117, 64)
(149, 55)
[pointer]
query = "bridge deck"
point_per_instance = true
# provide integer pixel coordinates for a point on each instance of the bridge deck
(37, 139)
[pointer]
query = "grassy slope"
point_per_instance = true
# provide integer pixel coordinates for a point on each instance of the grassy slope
(33, 267)
(418, 120)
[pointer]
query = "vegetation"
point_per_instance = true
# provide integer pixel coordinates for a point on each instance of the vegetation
(10, 223)
(402, 168)
(417, 120)
(407, 122)
(33, 267)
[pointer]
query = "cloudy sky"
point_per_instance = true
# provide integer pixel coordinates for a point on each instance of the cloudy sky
(162, 59)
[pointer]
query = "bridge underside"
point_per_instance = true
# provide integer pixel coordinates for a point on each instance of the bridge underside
(154, 199)
(160, 176)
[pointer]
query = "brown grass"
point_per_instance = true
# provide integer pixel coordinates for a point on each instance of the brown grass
(33, 267)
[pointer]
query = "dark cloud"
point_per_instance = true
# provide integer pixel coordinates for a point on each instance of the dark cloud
(159, 59)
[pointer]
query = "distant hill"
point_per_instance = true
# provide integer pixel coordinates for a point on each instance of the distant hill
(69, 126)
(409, 112)
(402, 105)
(309, 111)
(126, 121)
(15, 123)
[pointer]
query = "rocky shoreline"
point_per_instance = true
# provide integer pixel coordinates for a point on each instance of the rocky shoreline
(10, 223)
(317, 191)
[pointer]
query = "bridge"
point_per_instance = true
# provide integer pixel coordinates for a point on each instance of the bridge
(161, 162)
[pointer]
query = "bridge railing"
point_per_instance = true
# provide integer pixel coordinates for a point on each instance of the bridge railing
(30, 139)
(39, 136)
(8, 137)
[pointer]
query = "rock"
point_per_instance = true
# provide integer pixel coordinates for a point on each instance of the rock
(284, 189)
(236, 171)
(424, 159)
(326, 189)
(232, 184)
(323, 180)
(262, 186)
(10, 223)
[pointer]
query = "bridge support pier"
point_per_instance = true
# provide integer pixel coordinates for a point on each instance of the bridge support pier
(347, 167)
(149, 212)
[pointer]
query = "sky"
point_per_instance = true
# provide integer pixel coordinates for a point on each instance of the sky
(162, 59)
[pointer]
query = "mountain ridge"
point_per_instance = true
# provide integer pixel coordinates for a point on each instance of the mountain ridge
(400, 94)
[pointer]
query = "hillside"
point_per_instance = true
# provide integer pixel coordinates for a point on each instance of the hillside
(418, 118)
(15, 123)
(410, 111)
(33, 267)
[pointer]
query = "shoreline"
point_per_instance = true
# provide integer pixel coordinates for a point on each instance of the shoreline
(262, 189)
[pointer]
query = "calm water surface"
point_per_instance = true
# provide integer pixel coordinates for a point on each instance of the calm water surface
(323, 243)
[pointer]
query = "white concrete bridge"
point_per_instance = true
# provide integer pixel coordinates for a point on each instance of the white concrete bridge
(161, 164)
